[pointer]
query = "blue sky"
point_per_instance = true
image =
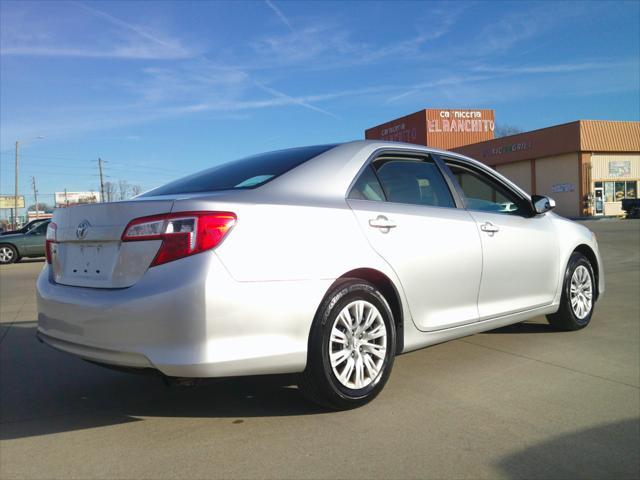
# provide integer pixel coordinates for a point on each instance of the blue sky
(161, 89)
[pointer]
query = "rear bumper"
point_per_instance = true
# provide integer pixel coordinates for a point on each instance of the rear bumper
(110, 357)
(187, 318)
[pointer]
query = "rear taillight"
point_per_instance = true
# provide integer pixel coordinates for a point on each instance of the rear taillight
(50, 240)
(182, 234)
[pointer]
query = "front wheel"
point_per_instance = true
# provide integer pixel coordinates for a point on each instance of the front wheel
(578, 295)
(351, 347)
(8, 254)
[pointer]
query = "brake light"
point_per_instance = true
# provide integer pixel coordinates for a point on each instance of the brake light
(50, 240)
(182, 234)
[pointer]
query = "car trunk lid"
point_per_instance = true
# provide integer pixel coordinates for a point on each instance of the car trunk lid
(88, 251)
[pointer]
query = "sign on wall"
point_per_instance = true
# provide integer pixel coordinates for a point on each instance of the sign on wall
(399, 132)
(462, 121)
(563, 187)
(620, 168)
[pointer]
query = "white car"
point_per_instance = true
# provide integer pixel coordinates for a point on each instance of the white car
(326, 261)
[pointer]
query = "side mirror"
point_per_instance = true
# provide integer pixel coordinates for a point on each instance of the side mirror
(542, 204)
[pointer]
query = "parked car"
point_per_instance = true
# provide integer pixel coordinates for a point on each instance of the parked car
(30, 243)
(26, 227)
(631, 207)
(324, 261)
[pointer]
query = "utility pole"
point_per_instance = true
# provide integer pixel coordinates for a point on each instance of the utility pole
(35, 195)
(66, 200)
(101, 180)
(15, 200)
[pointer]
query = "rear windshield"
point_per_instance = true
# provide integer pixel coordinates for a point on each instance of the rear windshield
(246, 173)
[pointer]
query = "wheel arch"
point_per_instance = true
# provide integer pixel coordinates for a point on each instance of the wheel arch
(383, 283)
(586, 250)
(14, 246)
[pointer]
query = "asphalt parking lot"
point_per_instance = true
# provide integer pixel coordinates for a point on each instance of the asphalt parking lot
(519, 402)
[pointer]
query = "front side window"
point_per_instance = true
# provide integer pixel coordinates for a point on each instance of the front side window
(413, 181)
(486, 194)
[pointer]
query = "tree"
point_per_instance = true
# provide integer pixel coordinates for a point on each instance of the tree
(506, 130)
(123, 189)
(42, 207)
(136, 190)
(109, 191)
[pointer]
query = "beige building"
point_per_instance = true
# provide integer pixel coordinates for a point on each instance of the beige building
(587, 166)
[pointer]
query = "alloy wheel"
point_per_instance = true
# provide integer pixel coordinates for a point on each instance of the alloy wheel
(358, 345)
(6, 255)
(581, 292)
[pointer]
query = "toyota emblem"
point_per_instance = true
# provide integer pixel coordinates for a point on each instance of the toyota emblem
(83, 228)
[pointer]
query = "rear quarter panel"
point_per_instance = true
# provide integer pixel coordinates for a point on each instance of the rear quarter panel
(278, 242)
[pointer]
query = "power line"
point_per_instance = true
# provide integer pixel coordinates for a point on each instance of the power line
(116, 164)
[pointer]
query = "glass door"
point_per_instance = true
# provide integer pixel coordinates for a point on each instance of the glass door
(599, 203)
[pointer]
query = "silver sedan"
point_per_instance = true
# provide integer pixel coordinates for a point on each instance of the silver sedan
(325, 261)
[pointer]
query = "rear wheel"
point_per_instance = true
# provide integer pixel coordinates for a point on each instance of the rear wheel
(578, 295)
(351, 347)
(8, 254)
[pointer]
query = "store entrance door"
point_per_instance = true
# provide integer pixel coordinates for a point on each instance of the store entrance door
(599, 201)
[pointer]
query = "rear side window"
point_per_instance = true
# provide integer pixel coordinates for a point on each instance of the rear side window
(367, 187)
(250, 172)
(414, 181)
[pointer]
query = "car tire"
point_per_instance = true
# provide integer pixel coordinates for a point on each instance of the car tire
(352, 346)
(578, 295)
(8, 254)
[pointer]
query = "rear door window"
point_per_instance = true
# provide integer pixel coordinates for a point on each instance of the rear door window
(413, 181)
(250, 172)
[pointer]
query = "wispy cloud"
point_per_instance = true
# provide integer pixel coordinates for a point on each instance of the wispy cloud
(123, 52)
(279, 14)
(555, 68)
(153, 37)
(294, 68)
(326, 44)
(28, 36)
(162, 87)
(294, 100)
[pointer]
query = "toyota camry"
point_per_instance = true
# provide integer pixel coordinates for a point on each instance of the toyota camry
(324, 261)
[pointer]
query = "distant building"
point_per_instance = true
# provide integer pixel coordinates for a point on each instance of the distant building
(64, 199)
(33, 215)
(438, 128)
(587, 166)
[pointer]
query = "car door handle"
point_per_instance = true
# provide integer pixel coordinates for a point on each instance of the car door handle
(382, 222)
(490, 228)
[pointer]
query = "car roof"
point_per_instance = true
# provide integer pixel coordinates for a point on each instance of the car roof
(339, 166)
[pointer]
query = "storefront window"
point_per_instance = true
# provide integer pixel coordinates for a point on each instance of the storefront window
(608, 192)
(616, 191)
